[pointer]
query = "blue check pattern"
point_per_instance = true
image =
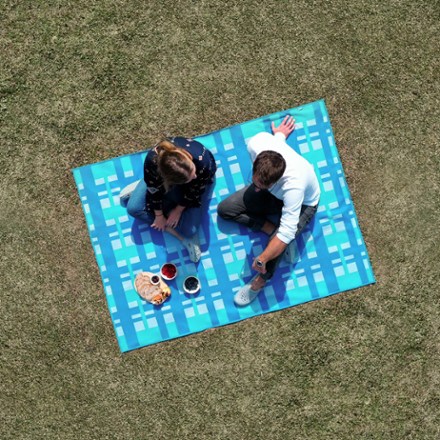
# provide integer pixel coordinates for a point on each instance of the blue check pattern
(332, 253)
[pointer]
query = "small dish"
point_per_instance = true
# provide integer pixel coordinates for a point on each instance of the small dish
(168, 271)
(191, 285)
(154, 279)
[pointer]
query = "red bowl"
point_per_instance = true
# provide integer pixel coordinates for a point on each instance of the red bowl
(168, 271)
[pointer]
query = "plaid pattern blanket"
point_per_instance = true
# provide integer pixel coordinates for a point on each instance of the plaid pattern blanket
(333, 257)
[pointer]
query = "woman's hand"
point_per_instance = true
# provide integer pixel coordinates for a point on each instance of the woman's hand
(160, 222)
(174, 216)
(286, 127)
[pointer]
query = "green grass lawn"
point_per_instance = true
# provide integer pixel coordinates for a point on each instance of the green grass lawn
(83, 81)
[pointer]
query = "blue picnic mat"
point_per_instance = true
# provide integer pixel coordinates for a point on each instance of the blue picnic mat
(333, 257)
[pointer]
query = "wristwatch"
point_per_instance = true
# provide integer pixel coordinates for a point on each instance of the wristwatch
(259, 263)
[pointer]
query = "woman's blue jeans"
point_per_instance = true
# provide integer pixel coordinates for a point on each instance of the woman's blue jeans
(190, 219)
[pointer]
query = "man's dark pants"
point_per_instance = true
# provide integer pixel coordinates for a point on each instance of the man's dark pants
(253, 208)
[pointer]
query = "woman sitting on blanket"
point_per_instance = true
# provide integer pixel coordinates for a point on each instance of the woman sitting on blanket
(178, 173)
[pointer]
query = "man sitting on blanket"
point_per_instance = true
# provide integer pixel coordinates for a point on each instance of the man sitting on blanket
(281, 201)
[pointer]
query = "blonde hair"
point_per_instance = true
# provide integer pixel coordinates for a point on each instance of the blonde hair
(173, 164)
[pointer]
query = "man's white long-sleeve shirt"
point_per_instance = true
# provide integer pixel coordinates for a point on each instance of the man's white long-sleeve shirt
(298, 186)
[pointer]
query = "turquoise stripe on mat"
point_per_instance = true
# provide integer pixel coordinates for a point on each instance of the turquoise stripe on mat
(333, 253)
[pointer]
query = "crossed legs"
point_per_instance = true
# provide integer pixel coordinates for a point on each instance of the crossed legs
(260, 211)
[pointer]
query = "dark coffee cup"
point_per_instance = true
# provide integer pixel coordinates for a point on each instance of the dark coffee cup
(191, 285)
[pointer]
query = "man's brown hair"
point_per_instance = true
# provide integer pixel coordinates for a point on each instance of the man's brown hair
(269, 166)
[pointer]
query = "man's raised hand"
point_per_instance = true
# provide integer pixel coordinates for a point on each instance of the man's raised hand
(286, 127)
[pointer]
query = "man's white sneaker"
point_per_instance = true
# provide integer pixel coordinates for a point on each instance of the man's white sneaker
(192, 245)
(125, 194)
(246, 294)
